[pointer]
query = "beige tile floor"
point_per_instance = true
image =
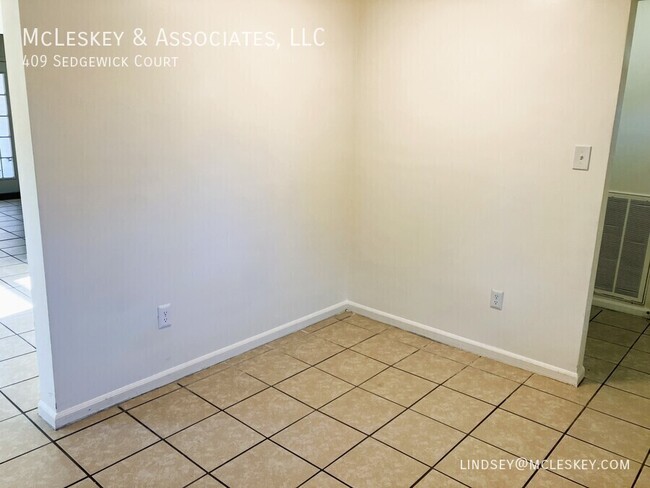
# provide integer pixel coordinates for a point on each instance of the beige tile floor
(352, 402)
(346, 402)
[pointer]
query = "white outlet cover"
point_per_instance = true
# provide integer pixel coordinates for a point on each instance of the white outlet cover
(496, 299)
(164, 316)
(581, 158)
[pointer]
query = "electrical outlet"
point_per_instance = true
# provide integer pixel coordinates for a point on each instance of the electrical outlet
(164, 316)
(496, 299)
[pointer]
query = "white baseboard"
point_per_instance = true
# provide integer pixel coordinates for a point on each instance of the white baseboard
(620, 306)
(511, 358)
(78, 412)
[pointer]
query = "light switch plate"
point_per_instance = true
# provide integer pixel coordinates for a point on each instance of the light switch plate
(581, 158)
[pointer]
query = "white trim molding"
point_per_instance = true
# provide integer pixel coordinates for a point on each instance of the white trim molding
(621, 306)
(507, 357)
(78, 412)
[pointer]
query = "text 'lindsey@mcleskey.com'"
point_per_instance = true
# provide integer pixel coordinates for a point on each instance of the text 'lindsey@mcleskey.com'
(523, 464)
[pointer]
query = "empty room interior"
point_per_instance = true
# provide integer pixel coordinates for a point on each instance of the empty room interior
(324, 243)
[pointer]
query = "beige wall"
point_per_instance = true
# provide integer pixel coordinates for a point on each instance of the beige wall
(425, 153)
(219, 186)
(468, 116)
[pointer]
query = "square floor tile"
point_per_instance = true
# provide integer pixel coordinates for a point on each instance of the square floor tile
(623, 405)
(570, 448)
(286, 340)
(74, 427)
(244, 356)
(435, 479)
(173, 412)
(269, 411)
(623, 320)
(517, 435)
(548, 479)
(320, 325)
(643, 344)
(638, 360)
(501, 369)
(580, 394)
(541, 407)
(29, 337)
(458, 465)
(420, 437)
(344, 334)
(266, 465)
(4, 332)
(8, 243)
(310, 348)
(613, 434)
(452, 408)
(343, 315)
(374, 465)
(384, 349)
(107, 442)
(272, 367)
(6, 271)
(367, 323)
(17, 269)
(85, 483)
(609, 333)
(323, 480)
(484, 386)
(7, 410)
(318, 439)
(631, 381)
(351, 367)
(25, 394)
(206, 482)
(604, 350)
(449, 352)
(9, 260)
(429, 366)
(406, 337)
(227, 387)
(644, 478)
(362, 410)
(46, 467)
(202, 374)
(19, 436)
(20, 322)
(6, 260)
(158, 465)
(314, 387)
(215, 440)
(597, 369)
(18, 369)
(399, 386)
(13, 346)
(151, 395)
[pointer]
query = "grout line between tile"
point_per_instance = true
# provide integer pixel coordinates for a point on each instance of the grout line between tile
(164, 440)
(565, 434)
(366, 436)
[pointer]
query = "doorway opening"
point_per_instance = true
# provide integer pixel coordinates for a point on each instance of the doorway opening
(617, 348)
(18, 366)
